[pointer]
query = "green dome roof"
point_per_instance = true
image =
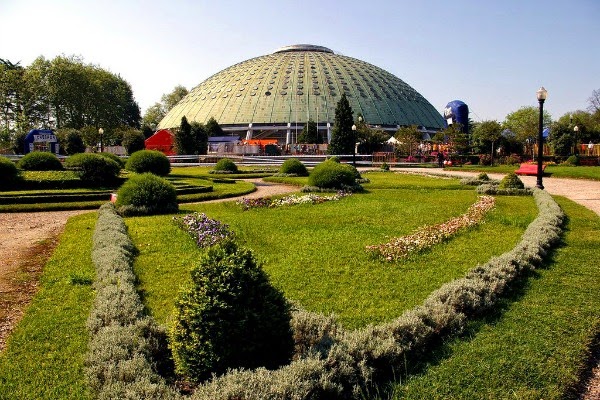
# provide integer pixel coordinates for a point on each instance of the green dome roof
(301, 82)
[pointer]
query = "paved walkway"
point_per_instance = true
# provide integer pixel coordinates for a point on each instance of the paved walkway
(584, 192)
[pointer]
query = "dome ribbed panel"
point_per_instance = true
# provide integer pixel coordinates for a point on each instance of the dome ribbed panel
(298, 83)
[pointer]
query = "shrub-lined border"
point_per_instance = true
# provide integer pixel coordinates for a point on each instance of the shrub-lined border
(334, 363)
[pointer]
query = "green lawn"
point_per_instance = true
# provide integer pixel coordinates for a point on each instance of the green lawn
(557, 171)
(532, 347)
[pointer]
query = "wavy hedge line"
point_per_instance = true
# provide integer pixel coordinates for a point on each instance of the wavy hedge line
(330, 362)
(124, 342)
(339, 364)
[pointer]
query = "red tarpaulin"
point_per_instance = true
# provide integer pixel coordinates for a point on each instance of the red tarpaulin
(162, 141)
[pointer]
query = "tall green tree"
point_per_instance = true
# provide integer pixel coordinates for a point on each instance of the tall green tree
(343, 139)
(156, 112)
(213, 128)
(486, 135)
(524, 122)
(409, 138)
(185, 142)
(201, 137)
(309, 134)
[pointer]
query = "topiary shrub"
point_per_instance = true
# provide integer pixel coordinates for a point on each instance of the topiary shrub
(226, 165)
(151, 161)
(293, 166)
(9, 174)
(572, 160)
(332, 175)
(146, 194)
(40, 161)
(483, 176)
(229, 317)
(114, 157)
(511, 181)
(94, 169)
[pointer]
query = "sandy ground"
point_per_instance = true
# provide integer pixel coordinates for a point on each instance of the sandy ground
(28, 239)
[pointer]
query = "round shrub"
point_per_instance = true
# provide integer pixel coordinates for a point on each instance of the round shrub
(229, 317)
(332, 175)
(293, 166)
(113, 157)
(94, 169)
(511, 181)
(572, 160)
(151, 161)
(40, 161)
(8, 172)
(483, 177)
(225, 164)
(146, 194)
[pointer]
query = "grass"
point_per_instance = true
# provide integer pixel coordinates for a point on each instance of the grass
(322, 247)
(537, 347)
(532, 347)
(44, 355)
(557, 171)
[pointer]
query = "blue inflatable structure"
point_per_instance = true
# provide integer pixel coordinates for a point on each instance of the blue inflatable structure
(457, 112)
(41, 140)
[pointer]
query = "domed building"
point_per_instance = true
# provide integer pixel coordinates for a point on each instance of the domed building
(274, 95)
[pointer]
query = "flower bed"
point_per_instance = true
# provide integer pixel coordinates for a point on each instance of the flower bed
(427, 236)
(291, 200)
(205, 231)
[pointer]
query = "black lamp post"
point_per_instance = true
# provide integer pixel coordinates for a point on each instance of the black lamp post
(576, 130)
(101, 132)
(541, 96)
(354, 145)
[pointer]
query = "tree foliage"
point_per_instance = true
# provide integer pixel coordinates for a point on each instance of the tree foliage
(525, 121)
(213, 128)
(342, 136)
(63, 93)
(310, 134)
(185, 142)
(486, 135)
(156, 112)
(409, 138)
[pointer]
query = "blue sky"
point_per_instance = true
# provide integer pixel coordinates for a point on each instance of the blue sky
(493, 55)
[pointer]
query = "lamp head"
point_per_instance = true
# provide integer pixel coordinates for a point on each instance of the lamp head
(542, 94)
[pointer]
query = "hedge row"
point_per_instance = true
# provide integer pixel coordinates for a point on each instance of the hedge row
(54, 198)
(124, 342)
(334, 363)
(329, 361)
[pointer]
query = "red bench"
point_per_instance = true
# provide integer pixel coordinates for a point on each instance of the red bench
(529, 169)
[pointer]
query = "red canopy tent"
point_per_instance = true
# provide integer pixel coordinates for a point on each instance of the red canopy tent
(163, 140)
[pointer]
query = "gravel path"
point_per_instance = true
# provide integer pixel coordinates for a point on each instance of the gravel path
(28, 239)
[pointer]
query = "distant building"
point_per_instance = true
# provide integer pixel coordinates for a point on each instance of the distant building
(273, 96)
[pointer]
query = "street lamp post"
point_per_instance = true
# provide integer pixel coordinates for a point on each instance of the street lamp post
(101, 132)
(541, 96)
(354, 145)
(576, 131)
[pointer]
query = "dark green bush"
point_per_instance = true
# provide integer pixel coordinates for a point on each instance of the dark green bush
(114, 157)
(133, 140)
(225, 164)
(151, 161)
(94, 169)
(293, 166)
(8, 172)
(511, 181)
(230, 317)
(71, 141)
(146, 194)
(572, 160)
(332, 175)
(40, 161)
(483, 176)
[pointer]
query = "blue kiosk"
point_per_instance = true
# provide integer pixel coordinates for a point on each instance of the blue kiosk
(41, 140)
(457, 112)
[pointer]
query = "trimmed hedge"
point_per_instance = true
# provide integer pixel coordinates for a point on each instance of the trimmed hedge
(127, 350)
(94, 169)
(293, 166)
(9, 174)
(333, 363)
(113, 157)
(332, 175)
(147, 194)
(225, 164)
(341, 365)
(151, 161)
(40, 161)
